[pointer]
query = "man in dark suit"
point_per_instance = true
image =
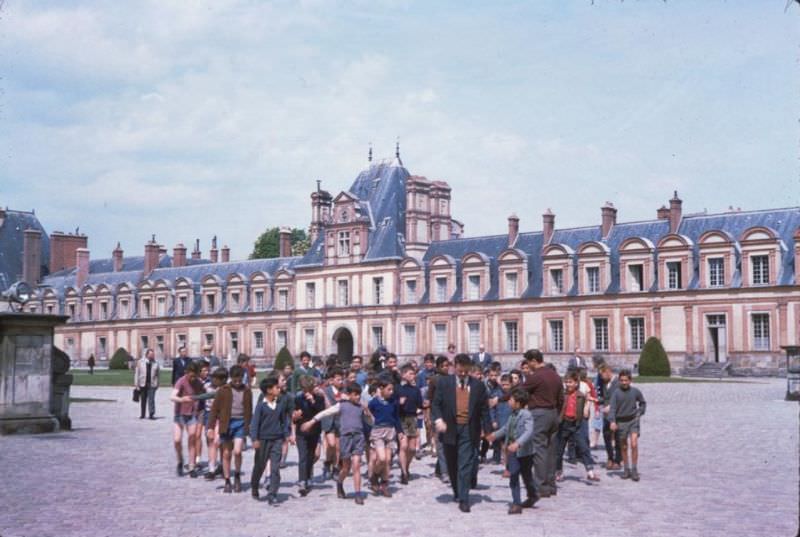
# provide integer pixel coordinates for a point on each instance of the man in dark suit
(482, 358)
(179, 364)
(460, 412)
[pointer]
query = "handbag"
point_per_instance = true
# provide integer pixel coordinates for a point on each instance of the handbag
(136, 395)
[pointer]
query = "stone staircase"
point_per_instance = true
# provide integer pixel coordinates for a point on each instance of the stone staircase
(708, 370)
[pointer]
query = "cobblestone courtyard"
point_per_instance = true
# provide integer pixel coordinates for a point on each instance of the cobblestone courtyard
(717, 459)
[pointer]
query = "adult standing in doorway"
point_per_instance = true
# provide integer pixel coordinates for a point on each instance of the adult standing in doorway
(145, 379)
(460, 413)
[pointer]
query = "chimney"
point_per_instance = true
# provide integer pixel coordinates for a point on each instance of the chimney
(285, 242)
(609, 217)
(117, 257)
(513, 229)
(82, 262)
(226, 254)
(32, 256)
(214, 252)
(662, 213)
(151, 252)
(179, 255)
(675, 212)
(62, 249)
(196, 252)
(548, 226)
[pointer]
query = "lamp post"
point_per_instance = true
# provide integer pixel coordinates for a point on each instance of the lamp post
(792, 372)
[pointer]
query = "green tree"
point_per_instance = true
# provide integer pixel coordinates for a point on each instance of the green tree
(654, 360)
(268, 243)
(119, 360)
(283, 358)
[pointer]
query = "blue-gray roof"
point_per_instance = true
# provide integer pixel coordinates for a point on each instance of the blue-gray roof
(11, 245)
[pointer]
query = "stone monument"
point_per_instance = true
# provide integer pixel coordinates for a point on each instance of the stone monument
(34, 398)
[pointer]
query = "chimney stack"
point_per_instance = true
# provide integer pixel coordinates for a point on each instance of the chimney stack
(82, 262)
(675, 213)
(196, 252)
(179, 255)
(117, 257)
(214, 252)
(609, 217)
(32, 256)
(548, 227)
(662, 213)
(62, 249)
(285, 242)
(513, 229)
(151, 253)
(226, 254)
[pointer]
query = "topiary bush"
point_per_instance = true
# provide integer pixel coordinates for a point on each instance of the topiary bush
(654, 362)
(282, 358)
(120, 359)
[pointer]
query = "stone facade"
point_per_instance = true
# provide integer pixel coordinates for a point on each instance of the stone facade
(388, 266)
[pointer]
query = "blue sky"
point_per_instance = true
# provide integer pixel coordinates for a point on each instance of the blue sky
(194, 119)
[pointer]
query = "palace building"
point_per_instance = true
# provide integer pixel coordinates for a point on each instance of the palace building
(389, 265)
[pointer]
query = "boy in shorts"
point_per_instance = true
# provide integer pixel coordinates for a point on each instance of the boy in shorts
(627, 406)
(185, 416)
(351, 440)
(330, 426)
(232, 409)
(410, 399)
(201, 382)
(385, 430)
(210, 387)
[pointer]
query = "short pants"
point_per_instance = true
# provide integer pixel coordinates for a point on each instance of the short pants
(351, 444)
(381, 437)
(409, 426)
(235, 430)
(185, 419)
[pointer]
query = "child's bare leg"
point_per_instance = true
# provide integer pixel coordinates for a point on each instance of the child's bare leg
(624, 449)
(634, 449)
(177, 437)
(403, 455)
(413, 446)
(344, 470)
(191, 444)
(211, 443)
(226, 459)
(356, 460)
(238, 443)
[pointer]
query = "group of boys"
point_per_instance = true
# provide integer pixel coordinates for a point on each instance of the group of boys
(349, 416)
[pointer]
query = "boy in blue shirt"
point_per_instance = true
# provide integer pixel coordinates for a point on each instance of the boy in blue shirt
(386, 415)
(268, 428)
(410, 399)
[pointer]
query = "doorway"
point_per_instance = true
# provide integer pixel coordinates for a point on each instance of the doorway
(343, 340)
(717, 345)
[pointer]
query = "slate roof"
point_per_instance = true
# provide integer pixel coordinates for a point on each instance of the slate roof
(11, 243)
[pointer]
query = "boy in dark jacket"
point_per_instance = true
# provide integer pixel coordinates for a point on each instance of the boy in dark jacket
(307, 405)
(232, 409)
(410, 398)
(271, 419)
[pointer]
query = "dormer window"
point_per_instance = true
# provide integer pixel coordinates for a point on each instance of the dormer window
(474, 287)
(441, 289)
(674, 275)
(344, 243)
(716, 272)
(593, 280)
(411, 291)
(557, 281)
(760, 268)
(636, 274)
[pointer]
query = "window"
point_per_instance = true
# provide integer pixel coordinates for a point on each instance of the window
(556, 281)
(439, 337)
(556, 335)
(209, 339)
(473, 287)
(182, 305)
(636, 327)
(716, 272)
(511, 342)
(760, 267)
(760, 322)
(145, 341)
(103, 311)
(377, 336)
(72, 311)
(344, 243)
(161, 306)
(258, 342)
(377, 287)
(233, 342)
(123, 307)
(344, 292)
(259, 300)
(473, 336)
(160, 346)
(50, 309)
(409, 338)
(181, 340)
(441, 289)
(601, 334)
(311, 295)
(422, 231)
(235, 300)
(592, 280)
(102, 347)
(146, 312)
(211, 303)
(674, 275)
(636, 279)
(309, 339)
(511, 285)
(283, 299)
(411, 291)
(89, 311)
(281, 339)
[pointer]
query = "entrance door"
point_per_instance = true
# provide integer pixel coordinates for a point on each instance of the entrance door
(717, 345)
(344, 344)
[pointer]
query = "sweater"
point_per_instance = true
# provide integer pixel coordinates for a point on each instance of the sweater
(385, 413)
(413, 399)
(268, 423)
(624, 404)
(351, 416)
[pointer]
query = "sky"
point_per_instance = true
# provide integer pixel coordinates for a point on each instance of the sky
(190, 119)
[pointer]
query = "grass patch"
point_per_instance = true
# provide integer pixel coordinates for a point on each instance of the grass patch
(114, 377)
(90, 400)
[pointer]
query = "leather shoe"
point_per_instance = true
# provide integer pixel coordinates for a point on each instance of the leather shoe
(464, 507)
(530, 502)
(515, 509)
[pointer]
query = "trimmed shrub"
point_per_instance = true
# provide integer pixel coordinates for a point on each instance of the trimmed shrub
(282, 358)
(120, 359)
(654, 362)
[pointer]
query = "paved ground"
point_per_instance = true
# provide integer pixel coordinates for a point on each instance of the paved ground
(717, 459)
